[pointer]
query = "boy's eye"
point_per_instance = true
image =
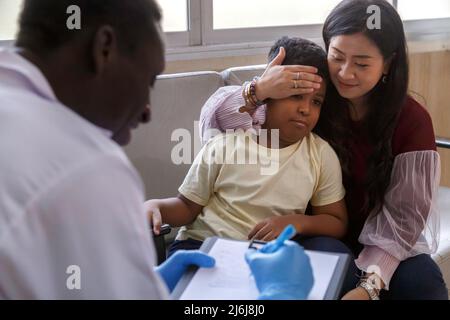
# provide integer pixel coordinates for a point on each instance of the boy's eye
(362, 65)
(337, 59)
(318, 102)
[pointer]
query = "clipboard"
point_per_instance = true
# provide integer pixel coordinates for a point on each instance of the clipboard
(331, 293)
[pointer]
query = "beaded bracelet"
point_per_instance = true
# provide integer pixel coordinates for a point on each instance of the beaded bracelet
(252, 89)
(249, 94)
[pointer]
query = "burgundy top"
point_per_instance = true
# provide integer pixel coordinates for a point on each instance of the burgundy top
(414, 132)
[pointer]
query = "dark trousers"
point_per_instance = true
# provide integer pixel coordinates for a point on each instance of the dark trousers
(189, 244)
(417, 278)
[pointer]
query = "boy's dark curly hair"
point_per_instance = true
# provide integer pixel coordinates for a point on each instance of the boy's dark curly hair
(300, 51)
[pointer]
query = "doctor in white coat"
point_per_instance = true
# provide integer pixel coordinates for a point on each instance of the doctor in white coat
(72, 221)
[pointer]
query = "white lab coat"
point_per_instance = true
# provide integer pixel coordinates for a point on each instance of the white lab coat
(72, 222)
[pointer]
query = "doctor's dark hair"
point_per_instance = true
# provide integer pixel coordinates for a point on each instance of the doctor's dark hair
(43, 23)
(300, 51)
(385, 100)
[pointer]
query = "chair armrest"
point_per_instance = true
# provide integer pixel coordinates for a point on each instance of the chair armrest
(160, 243)
(165, 229)
(442, 142)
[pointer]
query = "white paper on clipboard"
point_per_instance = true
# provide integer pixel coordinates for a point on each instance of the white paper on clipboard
(231, 278)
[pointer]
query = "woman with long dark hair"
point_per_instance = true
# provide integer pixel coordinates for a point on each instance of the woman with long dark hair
(385, 142)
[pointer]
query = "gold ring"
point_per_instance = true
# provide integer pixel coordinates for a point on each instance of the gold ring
(298, 76)
(295, 84)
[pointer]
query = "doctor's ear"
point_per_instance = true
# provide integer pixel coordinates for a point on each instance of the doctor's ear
(104, 48)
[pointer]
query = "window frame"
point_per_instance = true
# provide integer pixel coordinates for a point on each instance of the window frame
(201, 41)
(427, 29)
(192, 36)
(248, 35)
(6, 43)
(201, 30)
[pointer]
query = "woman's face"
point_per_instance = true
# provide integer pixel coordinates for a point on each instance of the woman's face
(356, 65)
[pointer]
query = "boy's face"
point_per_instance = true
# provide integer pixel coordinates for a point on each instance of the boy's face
(295, 116)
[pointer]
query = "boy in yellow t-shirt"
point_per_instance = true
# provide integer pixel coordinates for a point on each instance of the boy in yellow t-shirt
(242, 186)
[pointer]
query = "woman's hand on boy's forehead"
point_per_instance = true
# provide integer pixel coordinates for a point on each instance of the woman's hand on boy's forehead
(282, 81)
(279, 82)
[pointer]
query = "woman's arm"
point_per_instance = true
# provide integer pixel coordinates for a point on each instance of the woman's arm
(222, 112)
(408, 222)
(329, 220)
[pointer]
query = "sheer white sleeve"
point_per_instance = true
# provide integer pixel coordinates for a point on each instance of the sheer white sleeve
(408, 223)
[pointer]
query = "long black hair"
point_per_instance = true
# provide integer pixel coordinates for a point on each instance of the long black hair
(385, 100)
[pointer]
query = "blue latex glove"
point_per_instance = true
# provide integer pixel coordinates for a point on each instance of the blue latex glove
(285, 274)
(173, 268)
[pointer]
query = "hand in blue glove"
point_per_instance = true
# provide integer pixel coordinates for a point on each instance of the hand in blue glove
(173, 268)
(285, 274)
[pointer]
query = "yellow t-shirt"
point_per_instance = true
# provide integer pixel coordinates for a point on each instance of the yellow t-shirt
(237, 192)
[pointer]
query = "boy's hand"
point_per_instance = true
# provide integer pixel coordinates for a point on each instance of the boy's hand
(269, 229)
(154, 215)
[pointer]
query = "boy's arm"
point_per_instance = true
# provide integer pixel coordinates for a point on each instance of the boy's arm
(194, 192)
(177, 212)
(329, 212)
(328, 220)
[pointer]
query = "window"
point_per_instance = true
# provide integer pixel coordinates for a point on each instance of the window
(208, 25)
(231, 14)
(9, 13)
(418, 9)
(250, 21)
(424, 20)
(175, 15)
(177, 21)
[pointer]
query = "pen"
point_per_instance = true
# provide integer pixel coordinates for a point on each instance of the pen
(273, 246)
